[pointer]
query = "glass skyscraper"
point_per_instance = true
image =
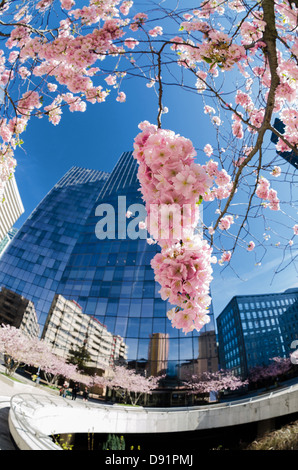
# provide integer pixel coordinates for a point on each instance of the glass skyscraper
(102, 263)
(252, 329)
(112, 280)
(34, 261)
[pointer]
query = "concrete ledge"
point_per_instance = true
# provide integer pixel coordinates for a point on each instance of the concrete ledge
(34, 419)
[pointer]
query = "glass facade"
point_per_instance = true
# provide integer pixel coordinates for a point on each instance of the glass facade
(96, 256)
(251, 330)
(112, 280)
(35, 259)
(289, 327)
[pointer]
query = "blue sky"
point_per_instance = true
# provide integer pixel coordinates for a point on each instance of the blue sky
(96, 139)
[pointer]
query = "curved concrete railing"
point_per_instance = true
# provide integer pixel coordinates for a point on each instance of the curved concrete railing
(33, 419)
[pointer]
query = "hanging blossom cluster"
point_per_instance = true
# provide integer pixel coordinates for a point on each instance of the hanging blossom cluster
(264, 191)
(173, 186)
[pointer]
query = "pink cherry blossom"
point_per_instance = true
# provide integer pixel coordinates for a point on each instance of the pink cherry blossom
(250, 246)
(131, 43)
(183, 268)
(225, 257)
(125, 7)
(121, 97)
(111, 79)
(208, 150)
(156, 31)
(226, 222)
(276, 171)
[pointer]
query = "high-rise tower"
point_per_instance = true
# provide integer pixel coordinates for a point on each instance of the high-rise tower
(110, 276)
(33, 263)
(80, 245)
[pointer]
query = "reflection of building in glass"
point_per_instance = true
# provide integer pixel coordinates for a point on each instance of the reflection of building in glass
(68, 328)
(249, 330)
(207, 359)
(19, 312)
(158, 354)
(60, 250)
(7, 239)
(34, 261)
(11, 208)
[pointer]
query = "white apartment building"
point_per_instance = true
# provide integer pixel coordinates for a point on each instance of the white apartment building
(68, 328)
(11, 208)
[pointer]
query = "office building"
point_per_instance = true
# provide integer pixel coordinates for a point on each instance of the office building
(289, 327)
(96, 256)
(109, 275)
(34, 261)
(250, 330)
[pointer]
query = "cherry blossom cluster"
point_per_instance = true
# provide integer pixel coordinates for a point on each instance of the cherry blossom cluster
(226, 222)
(205, 44)
(264, 191)
(218, 51)
(65, 57)
(169, 176)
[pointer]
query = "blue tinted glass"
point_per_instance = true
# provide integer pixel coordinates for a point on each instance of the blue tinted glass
(133, 327)
(145, 327)
(112, 307)
(135, 307)
(147, 308)
(121, 325)
(57, 251)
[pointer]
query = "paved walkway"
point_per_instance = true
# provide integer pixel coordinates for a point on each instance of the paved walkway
(8, 389)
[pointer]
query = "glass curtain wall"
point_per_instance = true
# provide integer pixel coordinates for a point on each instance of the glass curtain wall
(112, 280)
(34, 261)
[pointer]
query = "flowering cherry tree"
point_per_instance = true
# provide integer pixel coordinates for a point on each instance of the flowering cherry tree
(18, 348)
(128, 384)
(277, 367)
(214, 382)
(238, 57)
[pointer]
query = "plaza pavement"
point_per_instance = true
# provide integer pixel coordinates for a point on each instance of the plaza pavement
(8, 389)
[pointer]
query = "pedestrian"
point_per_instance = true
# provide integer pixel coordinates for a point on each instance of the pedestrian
(86, 394)
(64, 389)
(75, 390)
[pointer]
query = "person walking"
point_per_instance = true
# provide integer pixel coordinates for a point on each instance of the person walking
(86, 394)
(75, 390)
(65, 388)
